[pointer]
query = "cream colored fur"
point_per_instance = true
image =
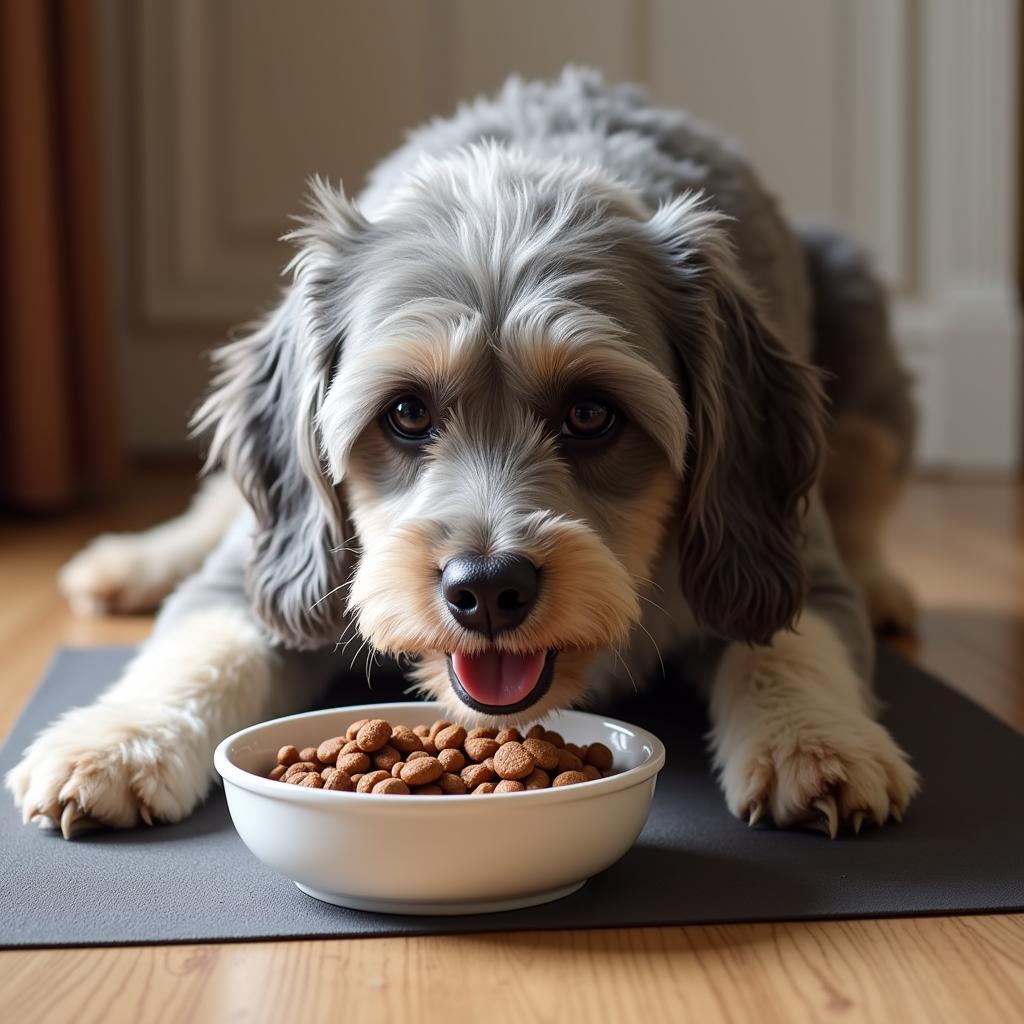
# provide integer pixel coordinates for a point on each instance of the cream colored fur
(794, 736)
(134, 572)
(144, 750)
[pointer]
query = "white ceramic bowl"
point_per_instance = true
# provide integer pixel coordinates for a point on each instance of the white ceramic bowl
(437, 855)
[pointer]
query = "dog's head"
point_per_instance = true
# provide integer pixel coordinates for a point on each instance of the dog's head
(474, 424)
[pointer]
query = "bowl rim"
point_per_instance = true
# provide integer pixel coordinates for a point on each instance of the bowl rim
(258, 784)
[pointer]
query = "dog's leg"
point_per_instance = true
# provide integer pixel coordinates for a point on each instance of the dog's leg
(144, 750)
(869, 395)
(134, 572)
(794, 735)
(861, 483)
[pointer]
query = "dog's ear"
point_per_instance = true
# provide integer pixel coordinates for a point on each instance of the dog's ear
(262, 415)
(756, 433)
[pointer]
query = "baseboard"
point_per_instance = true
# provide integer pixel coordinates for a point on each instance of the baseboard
(964, 353)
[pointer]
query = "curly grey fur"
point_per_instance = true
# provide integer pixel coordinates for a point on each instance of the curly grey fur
(569, 209)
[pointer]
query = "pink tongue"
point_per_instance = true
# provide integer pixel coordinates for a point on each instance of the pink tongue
(497, 677)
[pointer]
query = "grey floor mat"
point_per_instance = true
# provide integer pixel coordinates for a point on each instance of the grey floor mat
(960, 850)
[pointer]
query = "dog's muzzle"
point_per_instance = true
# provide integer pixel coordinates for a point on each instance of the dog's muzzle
(493, 594)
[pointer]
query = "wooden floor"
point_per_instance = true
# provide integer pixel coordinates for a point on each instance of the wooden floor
(962, 546)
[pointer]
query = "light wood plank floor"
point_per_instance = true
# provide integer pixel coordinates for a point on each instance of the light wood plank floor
(961, 544)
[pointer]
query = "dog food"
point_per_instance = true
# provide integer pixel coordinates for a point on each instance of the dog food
(442, 759)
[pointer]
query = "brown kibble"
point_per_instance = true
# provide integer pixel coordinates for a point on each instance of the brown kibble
(369, 780)
(422, 771)
(391, 787)
(373, 735)
(509, 786)
(544, 753)
(568, 779)
(386, 758)
(451, 785)
(441, 723)
(337, 780)
(450, 738)
(481, 748)
(405, 741)
(443, 759)
(452, 760)
(328, 751)
(599, 756)
(353, 764)
(513, 761)
(473, 775)
(352, 731)
(288, 756)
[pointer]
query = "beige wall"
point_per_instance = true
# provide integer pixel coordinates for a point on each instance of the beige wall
(218, 111)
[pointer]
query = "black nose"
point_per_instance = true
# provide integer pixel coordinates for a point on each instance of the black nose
(490, 594)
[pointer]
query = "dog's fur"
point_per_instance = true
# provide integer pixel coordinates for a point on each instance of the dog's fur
(557, 241)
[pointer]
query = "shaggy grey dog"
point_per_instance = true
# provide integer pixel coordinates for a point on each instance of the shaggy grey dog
(537, 410)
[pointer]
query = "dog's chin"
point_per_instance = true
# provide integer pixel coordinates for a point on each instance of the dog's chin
(501, 690)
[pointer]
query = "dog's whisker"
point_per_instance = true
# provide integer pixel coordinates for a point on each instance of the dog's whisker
(359, 650)
(654, 604)
(341, 642)
(657, 650)
(320, 600)
(622, 662)
(644, 579)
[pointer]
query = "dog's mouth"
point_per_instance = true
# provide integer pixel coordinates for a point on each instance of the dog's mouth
(500, 683)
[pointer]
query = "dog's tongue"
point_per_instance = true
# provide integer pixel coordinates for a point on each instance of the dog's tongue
(497, 677)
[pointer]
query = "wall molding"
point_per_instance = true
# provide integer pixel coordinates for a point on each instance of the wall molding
(960, 325)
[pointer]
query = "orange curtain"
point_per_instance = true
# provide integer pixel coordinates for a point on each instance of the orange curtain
(59, 436)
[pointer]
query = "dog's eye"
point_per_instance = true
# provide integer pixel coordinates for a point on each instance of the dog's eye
(588, 418)
(409, 417)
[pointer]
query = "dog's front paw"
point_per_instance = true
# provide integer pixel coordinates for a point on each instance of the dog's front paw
(840, 772)
(115, 573)
(113, 765)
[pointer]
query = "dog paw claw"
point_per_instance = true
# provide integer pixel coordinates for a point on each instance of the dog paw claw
(74, 823)
(757, 812)
(857, 822)
(830, 813)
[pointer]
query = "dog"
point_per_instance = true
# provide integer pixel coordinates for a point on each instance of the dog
(546, 404)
